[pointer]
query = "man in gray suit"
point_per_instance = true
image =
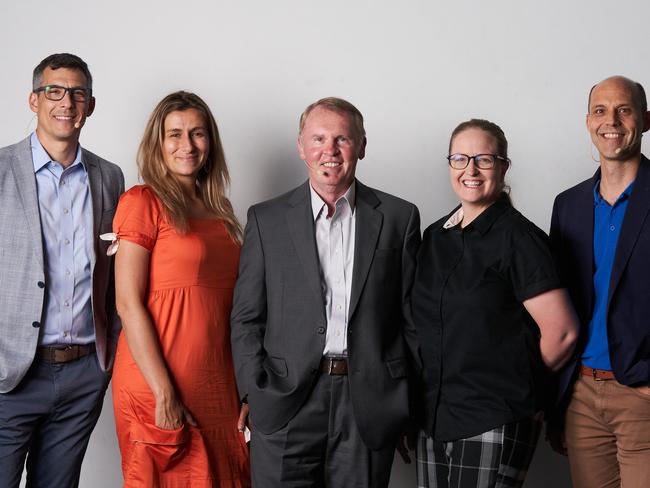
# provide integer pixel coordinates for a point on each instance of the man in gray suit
(320, 323)
(57, 313)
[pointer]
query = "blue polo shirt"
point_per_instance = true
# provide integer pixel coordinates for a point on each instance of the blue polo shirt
(608, 220)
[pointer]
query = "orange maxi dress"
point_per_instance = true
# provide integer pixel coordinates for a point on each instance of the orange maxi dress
(189, 297)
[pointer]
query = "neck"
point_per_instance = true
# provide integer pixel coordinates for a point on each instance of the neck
(329, 197)
(616, 176)
(63, 152)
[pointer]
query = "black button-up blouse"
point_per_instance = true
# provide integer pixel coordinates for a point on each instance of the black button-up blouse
(480, 347)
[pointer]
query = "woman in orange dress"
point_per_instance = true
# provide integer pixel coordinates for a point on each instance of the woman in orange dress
(177, 411)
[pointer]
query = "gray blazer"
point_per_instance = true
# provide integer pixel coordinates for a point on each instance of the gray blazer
(279, 323)
(22, 275)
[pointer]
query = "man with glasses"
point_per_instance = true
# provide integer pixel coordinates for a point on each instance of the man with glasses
(601, 232)
(58, 322)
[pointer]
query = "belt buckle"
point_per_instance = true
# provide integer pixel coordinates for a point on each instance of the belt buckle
(595, 375)
(330, 368)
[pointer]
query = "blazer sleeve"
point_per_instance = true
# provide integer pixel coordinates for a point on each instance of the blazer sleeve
(249, 312)
(410, 248)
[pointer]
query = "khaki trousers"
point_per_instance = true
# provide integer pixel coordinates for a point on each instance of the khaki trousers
(608, 435)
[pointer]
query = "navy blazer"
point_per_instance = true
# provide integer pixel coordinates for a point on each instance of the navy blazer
(628, 301)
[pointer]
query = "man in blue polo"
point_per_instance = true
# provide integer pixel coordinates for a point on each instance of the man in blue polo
(600, 230)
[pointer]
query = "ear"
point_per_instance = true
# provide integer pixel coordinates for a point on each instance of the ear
(91, 107)
(587, 121)
(301, 150)
(362, 149)
(646, 121)
(33, 102)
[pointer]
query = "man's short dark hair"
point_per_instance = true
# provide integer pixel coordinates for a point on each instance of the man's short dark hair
(62, 60)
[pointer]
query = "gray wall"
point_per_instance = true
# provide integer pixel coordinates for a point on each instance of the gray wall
(414, 68)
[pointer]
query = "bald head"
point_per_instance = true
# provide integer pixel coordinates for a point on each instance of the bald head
(634, 87)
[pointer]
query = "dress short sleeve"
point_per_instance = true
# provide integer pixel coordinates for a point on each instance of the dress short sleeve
(532, 267)
(137, 216)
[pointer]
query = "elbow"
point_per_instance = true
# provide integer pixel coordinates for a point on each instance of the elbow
(561, 351)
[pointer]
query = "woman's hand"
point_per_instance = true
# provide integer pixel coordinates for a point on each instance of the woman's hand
(172, 414)
(243, 420)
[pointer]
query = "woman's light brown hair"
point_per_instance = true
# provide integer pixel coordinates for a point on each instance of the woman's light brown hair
(213, 179)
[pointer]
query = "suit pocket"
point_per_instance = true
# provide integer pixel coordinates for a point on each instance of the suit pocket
(397, 368)
(277, 366)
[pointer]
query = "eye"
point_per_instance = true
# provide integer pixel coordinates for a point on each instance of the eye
(317, 139)
(598, 111)
(55, 90)
(199, 133)
(342, 140)
(624, 110)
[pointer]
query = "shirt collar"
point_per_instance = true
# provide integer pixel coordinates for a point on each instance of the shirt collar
(317, 203)
(598, 199)
(40, 157)
(484, 221)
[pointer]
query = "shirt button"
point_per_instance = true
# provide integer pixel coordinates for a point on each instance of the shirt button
(66, 303)
(66, 241)
(612, 228)
(65, 210)
(65, 333)
(41, 284)
(338, 307)
(67, 272)
(321, 330)
(36, 324)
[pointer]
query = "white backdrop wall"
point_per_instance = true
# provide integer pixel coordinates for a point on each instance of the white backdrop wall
(414, 68)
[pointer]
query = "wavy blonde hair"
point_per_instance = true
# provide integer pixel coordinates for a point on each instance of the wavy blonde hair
(213, 179)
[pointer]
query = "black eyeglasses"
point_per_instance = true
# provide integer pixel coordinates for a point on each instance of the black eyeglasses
(481, 161)
(56, 92)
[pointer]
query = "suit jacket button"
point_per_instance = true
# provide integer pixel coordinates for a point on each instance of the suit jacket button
(36, 324)
(41, 284)
(321, 330)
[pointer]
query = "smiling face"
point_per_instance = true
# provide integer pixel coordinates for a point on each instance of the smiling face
(330, 147)
(476, 188)
(60, 121)
(616, 119)
(186, 144)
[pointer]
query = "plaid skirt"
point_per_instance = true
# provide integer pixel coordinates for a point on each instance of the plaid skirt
(498, 458)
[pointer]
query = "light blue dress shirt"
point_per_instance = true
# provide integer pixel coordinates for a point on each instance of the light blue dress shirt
(67, 228)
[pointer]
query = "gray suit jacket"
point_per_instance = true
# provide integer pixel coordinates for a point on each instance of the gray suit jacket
(279, 323)
(22, 275)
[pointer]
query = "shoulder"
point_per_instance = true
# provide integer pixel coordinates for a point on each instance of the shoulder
(386, 199)
(105, 165)
(140, 194)
(584, 187)
(14, 150)
(275, 206)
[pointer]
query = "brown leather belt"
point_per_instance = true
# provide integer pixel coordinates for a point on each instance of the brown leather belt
(597, 374)
(64, 354)
(334, 366)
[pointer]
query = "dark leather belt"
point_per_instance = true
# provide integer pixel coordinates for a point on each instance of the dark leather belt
(334, 366)
(596, 374)
(64, 354)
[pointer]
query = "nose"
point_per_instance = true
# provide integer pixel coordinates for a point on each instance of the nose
(613, 118)
(186, 142)
(471, 167)
(331, 147)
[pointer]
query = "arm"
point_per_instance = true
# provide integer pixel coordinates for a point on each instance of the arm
(409, 256)
(248, 318)
(131, 273)
(558, 324)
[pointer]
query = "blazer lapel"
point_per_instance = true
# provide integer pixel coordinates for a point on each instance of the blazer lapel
(368, 222)
(583, 222)
(635, 215)
(23, 170)
(300, 221)
(95, 185)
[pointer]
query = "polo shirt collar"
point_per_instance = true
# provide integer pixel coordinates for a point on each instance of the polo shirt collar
(598, 199)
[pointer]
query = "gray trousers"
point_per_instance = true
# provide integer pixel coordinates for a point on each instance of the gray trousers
(48, 417)
(320, 447)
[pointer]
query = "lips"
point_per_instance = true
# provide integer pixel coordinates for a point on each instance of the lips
(472, 183)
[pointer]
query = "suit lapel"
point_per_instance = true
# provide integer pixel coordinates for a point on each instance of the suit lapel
(23, 170)
(95, 185)
(368, 223)
(635, 215)
(583, 221)
(300, 221)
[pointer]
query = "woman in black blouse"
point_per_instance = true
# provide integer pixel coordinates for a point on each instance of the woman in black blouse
(492, 320)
